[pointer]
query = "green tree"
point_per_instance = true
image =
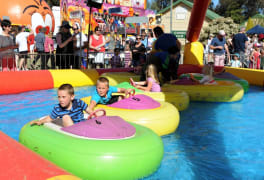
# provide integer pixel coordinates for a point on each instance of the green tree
(250, 24)
(239, 10)
(226, 24)
(53, 2)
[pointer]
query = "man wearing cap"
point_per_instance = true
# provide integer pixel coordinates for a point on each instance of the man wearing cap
(240, 43)
(64, 52)
(218, 45)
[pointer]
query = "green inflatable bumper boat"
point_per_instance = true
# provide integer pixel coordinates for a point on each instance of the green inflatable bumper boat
(90, 150)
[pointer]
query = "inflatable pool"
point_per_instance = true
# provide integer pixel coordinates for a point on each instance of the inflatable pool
(179, 99)
(105, 147)
(223, 91)
(223, 76)
(162, 117)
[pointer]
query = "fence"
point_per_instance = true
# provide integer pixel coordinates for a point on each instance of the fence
(39, 61)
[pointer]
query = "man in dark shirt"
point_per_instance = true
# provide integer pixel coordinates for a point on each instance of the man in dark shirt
(240, 42)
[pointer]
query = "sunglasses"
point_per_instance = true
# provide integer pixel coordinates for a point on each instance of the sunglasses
(75, 29)
(138, 38)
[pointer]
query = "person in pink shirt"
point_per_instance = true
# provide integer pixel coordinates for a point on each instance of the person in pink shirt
(49, 49)
(152, 83)
(255, 58)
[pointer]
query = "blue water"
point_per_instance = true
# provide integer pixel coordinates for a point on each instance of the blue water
(213, 140)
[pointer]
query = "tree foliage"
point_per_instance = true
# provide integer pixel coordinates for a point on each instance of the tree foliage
(226, 24)
(239, 10)
(53, 2)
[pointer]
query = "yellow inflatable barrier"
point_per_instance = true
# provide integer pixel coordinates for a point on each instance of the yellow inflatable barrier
(74, 77)
(223, 91)
(162, 120)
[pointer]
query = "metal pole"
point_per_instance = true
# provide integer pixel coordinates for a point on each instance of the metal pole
(171, 15)
(88, 48)
(80, 33)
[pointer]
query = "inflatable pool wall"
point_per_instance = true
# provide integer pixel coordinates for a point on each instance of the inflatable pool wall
(23, 81)
(18, 162)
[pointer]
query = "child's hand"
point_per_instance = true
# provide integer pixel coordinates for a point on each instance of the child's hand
(38, 122)
(129, 92)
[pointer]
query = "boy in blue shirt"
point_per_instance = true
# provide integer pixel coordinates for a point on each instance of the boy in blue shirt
(103, 93)
(70, 110)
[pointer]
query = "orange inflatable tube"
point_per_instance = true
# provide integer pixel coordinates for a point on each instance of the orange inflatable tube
(17, 82)
(196, 20)
(18, 162)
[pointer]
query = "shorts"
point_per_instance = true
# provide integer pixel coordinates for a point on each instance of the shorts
(99, 58)
(23, 54)
(113, 99)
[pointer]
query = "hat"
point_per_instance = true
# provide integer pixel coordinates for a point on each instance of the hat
(221, 32)
(256, 45)
(65, 24)
(236, 54)
(211, 35)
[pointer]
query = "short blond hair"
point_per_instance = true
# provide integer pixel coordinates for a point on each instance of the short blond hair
(103, 80)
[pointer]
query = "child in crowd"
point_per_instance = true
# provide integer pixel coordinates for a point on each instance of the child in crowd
(115, 60)
(103, 93)
(235, 62)
(70, 110)
(152, 81)
(262, 59)
(255, 58)
(128, 56)
(208, 76)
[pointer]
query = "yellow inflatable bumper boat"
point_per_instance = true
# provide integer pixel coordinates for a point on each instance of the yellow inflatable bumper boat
(162, 117)
(178, 98)
(223, 91)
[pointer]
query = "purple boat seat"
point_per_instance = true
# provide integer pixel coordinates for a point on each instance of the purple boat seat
(227, 75)
(138, 102)
(103, 127)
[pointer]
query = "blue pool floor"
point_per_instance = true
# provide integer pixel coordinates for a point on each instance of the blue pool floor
(213, 140)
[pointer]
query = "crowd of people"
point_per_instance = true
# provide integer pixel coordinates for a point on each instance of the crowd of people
(21, 49)
(237, 50)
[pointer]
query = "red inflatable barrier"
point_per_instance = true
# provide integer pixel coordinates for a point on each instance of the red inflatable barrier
(23, 81)
(18, 162)
(101, 71)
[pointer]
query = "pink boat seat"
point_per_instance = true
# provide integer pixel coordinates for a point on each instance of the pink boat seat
(138, 102)
(104, 127)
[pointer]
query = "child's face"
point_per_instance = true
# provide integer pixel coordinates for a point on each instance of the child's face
(102, 89)
(235, 58)
(65, 99)
(116, 53)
